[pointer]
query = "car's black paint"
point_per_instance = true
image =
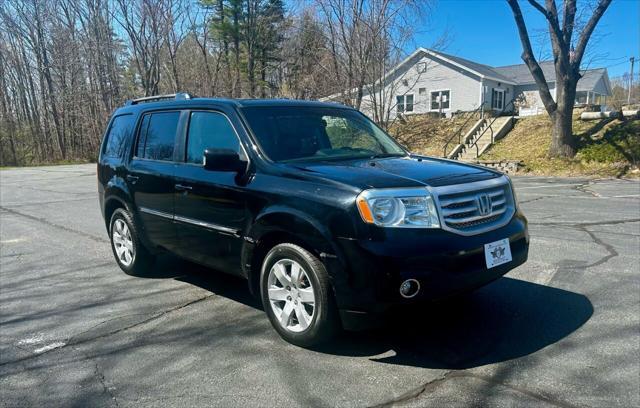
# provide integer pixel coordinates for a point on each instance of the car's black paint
(311, 203)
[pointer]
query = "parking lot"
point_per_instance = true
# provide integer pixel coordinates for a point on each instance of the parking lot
(562, 330)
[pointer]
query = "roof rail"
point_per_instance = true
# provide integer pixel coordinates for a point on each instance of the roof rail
(154, 98)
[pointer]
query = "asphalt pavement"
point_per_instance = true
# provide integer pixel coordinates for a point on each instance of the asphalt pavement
(562, 330)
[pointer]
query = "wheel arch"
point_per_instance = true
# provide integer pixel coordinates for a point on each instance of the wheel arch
(116, 195)
(111, 204)
(280, 225)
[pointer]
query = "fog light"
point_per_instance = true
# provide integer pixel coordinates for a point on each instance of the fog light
(409, 288)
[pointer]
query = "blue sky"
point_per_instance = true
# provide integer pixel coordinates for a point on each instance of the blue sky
(484, 31)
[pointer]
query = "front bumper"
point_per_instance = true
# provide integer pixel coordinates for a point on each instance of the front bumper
(444, 263)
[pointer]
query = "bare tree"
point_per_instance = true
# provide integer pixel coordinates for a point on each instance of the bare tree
(568, 44)
(365, 39)
(65, 65)
(144, 22)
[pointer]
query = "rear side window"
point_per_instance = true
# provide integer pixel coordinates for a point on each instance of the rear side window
(209, 130)
(157, 136)
(117, 136)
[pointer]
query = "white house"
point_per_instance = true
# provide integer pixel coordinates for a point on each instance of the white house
(432, 81)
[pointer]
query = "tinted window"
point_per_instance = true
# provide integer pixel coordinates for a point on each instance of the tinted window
(309, 133)
(143, 136)
(159, 138)
(209, 130)
(117, 136)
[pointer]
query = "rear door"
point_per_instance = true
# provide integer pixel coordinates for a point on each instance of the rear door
(111, 162)
(151, 174)
(210, 206)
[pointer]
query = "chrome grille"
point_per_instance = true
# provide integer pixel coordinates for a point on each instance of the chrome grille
(477, 207)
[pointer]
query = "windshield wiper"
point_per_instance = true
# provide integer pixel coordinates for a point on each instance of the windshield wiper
(384, 155)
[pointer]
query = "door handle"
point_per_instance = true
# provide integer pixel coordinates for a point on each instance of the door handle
(181, 187)
(132, 179)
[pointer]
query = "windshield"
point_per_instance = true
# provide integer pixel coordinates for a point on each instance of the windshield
(290, 133)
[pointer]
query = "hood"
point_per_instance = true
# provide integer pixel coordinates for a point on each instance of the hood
(410, 171)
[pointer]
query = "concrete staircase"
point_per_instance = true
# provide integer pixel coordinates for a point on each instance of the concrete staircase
(483, 135)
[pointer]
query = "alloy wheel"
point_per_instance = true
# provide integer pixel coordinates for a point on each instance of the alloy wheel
(122, 242)
(291, 295)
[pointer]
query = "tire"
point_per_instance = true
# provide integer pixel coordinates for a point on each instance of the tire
(123, 233)
(302, 324)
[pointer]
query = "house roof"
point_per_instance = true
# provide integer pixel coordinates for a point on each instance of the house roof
(591, 77)
(511, 74)
(484, 71)
(522, 76)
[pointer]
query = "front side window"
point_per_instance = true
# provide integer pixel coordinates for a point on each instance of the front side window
(319, 134)
(157, 136)
(440, 100)
(209, 130)
(116, 138)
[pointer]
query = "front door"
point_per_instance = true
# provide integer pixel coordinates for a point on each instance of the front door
(210, 206)
(151, 176)
(497, 99)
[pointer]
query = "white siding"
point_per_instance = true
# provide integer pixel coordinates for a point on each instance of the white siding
(530, 96)
(488, 87)
(464, 87)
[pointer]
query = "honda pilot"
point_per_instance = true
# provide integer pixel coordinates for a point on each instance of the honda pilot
(327, 217)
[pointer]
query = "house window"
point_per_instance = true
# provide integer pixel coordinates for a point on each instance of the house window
(440, 100)
(422, 91)
(497, 99)
(421, 67)
(404, 103)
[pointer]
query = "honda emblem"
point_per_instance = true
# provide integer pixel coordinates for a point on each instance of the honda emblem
(484, 204)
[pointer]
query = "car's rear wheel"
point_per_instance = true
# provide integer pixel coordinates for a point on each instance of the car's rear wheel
(297, 296)
(132, 257)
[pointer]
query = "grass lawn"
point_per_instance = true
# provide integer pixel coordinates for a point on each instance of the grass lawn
(426, 135)
(606, 148)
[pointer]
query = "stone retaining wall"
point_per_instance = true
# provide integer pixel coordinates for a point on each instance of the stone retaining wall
(505, 166)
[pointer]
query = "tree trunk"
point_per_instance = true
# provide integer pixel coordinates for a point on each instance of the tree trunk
(563, 144)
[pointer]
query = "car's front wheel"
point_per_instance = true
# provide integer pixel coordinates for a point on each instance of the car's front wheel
(297, 297)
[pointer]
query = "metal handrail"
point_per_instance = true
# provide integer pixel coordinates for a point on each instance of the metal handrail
(460, 129)
(490, 127)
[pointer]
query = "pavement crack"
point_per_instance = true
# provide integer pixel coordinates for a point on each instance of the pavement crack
(71, 342)
(612, 253)
(52, 224)
(584, 188)
(415, 393)
(533, 200)
(522, 390)
(586, 224)
(105, 389)
(449, 375)
(583, 226)
(19, 205)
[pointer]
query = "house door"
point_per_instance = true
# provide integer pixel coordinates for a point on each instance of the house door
(497, 99)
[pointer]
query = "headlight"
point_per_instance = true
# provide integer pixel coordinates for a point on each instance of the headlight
(513, 192)
(400, 208)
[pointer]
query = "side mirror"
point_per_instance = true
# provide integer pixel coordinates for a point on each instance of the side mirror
(222, 160)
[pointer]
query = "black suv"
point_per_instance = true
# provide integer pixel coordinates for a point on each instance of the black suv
(324, 214)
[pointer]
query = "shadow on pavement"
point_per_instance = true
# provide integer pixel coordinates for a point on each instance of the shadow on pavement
(508, 319)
